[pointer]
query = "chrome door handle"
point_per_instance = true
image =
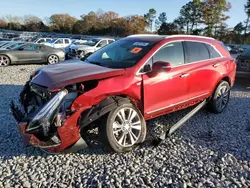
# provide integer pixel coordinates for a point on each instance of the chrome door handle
(216, 65)
(184, 75)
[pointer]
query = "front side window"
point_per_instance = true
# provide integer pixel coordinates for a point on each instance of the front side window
(59, 41)
(124, 53)
(41, 41)
(30, 47)
(197, 51)
(102, 43)
(171, 53)
(110, 41)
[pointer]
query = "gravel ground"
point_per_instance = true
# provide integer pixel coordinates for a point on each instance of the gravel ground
(209, 151)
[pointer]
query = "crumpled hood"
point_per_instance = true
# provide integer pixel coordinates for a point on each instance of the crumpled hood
(71, 72)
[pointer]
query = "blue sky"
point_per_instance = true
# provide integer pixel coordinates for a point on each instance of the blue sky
(44, 8)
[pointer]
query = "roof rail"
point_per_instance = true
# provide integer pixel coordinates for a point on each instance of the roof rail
(173, 36)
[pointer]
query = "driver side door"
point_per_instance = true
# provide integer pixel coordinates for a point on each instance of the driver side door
(166, 90)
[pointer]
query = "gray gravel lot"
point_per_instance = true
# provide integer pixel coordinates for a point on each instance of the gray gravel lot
(209, 151)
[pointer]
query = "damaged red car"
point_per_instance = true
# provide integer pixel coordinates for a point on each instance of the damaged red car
(120, 86)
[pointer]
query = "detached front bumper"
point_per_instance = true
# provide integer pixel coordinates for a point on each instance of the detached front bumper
(65, 138)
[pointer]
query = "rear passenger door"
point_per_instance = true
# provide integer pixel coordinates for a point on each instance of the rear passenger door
(202, 74)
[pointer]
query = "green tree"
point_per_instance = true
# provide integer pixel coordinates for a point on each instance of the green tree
(191, 14)
(239, 28)
(247, 11)
(213, 13)
(162, 18)
(168, 29)
(149, 18)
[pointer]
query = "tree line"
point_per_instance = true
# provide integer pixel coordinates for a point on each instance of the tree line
(198, 17)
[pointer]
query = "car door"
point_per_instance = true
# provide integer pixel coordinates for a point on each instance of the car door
(203, 63)
(66, 42)
(101, 44)
(167, 90)
(29, 53)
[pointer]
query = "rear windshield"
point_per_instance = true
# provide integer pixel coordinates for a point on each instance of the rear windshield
(123, 53)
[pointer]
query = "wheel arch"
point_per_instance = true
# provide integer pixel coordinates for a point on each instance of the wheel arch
(7, 55)
(103, 107)
(224, 78)
(227, 79)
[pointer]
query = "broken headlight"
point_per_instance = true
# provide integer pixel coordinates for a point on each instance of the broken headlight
(46, 114)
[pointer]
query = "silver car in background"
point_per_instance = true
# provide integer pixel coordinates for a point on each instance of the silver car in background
(31, 53)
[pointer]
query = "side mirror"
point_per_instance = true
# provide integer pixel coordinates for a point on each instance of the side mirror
(161, 66)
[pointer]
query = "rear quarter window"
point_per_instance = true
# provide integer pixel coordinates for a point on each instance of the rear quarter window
(212, 52)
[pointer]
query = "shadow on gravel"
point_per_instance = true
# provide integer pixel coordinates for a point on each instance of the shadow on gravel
(223, 133)
(242, 84)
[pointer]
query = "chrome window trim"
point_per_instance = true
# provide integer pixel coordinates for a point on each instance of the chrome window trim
(171, 105)
(138, 71)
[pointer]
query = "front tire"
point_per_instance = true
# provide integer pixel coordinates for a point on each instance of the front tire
(220, 98)
(53, 59)
(123, 128)
(4, 61)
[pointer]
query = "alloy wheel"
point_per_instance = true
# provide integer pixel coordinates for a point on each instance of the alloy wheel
(222, 97)
(127, 127)
(4, 61)
(53, 59)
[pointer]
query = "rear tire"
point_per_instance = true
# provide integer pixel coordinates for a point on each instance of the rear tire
(220, 98)
(123, 128)
(4, 61)
(53, 59)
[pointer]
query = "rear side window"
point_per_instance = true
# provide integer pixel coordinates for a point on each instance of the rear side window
(59, 41)
(212, 52)
(66, 41)
(197, 51)
(172, 53)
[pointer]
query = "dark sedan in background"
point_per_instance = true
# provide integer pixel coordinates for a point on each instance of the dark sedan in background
(31, 53)
(243, 64)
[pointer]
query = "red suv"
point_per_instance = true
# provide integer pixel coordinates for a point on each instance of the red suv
(119, 87)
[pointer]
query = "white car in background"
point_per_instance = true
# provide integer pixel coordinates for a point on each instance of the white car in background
(59, 43)
(89, 47)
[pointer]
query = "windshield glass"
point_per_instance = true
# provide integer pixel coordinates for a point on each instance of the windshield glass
(91, 42)
(14, 46)
(124, 53)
